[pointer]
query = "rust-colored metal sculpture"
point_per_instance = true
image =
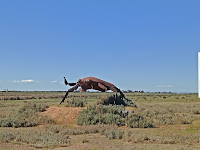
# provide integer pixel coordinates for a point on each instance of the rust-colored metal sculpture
(92, 83)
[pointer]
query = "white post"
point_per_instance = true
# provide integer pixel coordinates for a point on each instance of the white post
(199, 74)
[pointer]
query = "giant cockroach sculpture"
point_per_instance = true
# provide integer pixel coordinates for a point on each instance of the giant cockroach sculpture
(92, 83)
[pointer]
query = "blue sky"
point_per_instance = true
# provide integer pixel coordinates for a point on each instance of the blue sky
(138, 45)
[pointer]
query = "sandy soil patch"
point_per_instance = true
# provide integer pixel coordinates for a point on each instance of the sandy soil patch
(65, 115)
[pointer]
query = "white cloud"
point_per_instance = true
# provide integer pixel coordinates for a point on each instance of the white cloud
(57, 82)
(23, 81)
(164, 86)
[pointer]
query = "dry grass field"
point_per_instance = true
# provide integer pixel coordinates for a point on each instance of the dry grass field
(32, 120)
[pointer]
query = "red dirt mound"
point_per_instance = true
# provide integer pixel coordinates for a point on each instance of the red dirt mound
(66, 115)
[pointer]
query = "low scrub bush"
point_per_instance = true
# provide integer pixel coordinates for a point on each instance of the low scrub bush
(56, 128)
(196, 111)
(186, 118)
(84, 129)
(139, 121)
(7, 137)
(165, 119)
(101, 114)
(75, 103)
(32, 106)
(1, 104)
(114, 134)
(36, 138)
(116, 100)
(112, 114)
(110, 131)
(27, 116)
(58, 135)
(173, 115)
(85, 141)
